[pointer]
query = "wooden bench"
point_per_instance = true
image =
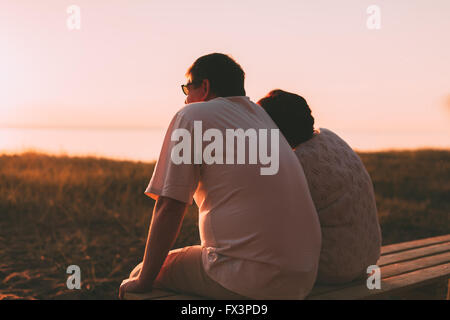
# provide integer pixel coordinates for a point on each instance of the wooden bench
(404, 266)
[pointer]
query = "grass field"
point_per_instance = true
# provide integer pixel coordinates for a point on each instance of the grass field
(92, 212)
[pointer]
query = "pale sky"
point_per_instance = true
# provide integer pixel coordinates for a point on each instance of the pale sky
(125, 66)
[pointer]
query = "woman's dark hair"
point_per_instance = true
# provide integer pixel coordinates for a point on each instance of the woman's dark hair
(291, 114)
(225, 75)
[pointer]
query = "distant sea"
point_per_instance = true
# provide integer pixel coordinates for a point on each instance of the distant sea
(145, 144)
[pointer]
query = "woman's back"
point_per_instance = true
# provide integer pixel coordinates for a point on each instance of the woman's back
(343, 194)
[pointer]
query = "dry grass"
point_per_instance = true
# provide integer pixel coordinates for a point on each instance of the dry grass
(92, 212)
(411, 189)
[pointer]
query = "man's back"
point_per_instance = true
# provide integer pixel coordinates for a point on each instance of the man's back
(259, 230)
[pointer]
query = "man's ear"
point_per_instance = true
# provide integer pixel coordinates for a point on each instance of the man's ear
(206, 88)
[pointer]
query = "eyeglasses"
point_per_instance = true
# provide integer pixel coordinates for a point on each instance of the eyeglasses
(185, 87)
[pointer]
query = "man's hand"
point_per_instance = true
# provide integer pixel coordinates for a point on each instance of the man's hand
(132, 285)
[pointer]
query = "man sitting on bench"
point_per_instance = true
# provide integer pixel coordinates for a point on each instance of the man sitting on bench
(259, 230)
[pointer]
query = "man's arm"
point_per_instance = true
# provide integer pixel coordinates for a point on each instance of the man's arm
(166, 223)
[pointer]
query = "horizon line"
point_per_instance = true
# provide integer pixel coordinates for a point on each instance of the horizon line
(140, 127)
(79, 127)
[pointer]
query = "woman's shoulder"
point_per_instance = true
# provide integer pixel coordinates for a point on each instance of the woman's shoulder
(333, 138)
(326, 132)
(320, 139)
(324, 144)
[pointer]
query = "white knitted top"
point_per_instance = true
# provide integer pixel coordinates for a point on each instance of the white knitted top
(343, 194)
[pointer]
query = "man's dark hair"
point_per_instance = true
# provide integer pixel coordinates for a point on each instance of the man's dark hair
(225, 75)
(291, 114)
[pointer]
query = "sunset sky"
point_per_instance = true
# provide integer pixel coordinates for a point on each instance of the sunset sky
(125, 66)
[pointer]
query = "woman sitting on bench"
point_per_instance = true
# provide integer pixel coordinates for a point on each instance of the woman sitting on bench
(340, 187)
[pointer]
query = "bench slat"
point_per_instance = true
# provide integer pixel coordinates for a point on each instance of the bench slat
(413, 265)
(391, 248)
(152, 295)
(182, 297)
(413, 254)
(390, 285)
(389, 271)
